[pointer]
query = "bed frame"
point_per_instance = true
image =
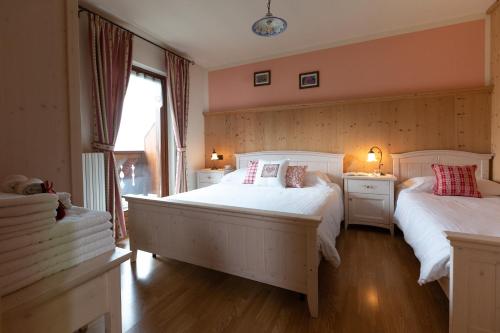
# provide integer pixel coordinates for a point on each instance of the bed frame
(473, 287)
(279, 249)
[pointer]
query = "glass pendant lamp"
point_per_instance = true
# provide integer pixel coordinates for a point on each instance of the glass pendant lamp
(269, 25)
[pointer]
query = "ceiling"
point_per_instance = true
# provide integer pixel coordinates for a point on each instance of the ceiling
(217, 34)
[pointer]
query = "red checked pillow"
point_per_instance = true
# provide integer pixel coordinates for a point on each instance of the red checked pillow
(295, 176)
(456, 180)
(251, 172)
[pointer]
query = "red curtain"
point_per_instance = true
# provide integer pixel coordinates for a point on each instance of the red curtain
(111, 48)
(178, 87)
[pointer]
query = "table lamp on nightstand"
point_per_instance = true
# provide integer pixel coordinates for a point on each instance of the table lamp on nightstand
(215, 157)
(373, 158)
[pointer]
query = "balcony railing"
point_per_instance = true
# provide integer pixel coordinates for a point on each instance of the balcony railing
(138, 175)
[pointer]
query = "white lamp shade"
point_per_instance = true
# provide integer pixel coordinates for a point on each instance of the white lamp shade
(371, 157)
(214, 157)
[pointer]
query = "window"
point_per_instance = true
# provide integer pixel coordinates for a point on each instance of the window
(141, 144)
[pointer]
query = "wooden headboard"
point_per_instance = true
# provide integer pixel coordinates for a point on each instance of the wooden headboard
(331, 164)
(418, 163)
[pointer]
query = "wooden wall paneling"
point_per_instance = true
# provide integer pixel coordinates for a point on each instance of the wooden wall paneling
(495, 97)
(473, 115)
(440, 120)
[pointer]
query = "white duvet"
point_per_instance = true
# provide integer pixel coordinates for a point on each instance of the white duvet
(318, 199)
(423, 217)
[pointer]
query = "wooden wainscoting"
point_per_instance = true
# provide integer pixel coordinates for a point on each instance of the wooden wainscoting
(452, 119)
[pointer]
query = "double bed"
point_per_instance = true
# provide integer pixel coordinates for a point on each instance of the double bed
(456, 239)
(268, 234)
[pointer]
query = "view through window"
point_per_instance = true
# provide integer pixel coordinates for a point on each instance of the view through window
(138, 144)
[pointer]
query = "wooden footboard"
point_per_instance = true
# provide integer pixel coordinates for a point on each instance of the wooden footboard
(474, 283)
(279, 249)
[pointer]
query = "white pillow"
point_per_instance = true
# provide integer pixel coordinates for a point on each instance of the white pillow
(271, 173)
(418, 184)
(234, 177)
(316, 178)
(488, 188)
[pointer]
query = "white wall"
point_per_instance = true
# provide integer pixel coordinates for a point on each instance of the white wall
(150, 57)
(198, 103)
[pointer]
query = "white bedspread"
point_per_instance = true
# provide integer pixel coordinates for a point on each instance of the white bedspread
(320, 199)
(423, 218)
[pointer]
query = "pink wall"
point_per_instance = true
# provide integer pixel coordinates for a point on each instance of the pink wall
(440, 58)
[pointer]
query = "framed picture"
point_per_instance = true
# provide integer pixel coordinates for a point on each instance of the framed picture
(262, 78)
(309, 80)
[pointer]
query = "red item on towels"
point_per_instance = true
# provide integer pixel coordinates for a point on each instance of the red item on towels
(48, 187)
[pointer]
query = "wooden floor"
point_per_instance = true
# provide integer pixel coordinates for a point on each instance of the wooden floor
(374, 290)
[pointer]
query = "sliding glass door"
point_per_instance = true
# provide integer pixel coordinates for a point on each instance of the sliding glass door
(141, 146)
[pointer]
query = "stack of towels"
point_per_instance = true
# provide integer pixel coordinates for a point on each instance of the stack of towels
(33, 245)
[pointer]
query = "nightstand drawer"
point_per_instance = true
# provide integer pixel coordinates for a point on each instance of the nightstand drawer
(368, 186)
(209, 177)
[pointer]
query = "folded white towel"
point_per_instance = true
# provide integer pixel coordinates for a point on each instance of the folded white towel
(15, 200)
(76, 219)
(26, 227)
(65, 198)
(30, 186)
(75, 246)
(37, 247)
(15, 211)
(21, 233)
(53, 261)
(10, 221)
(9, 183)
(19, 280)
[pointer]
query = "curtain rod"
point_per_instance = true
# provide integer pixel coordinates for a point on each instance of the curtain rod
(83, 9)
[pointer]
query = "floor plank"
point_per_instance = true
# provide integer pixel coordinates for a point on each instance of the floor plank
(374, 290)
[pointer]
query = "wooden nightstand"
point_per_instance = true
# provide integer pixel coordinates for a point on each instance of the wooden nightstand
(369, 200)
(207, 177)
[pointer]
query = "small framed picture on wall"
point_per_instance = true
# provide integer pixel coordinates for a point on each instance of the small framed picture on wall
(309, 80)
(262, 78)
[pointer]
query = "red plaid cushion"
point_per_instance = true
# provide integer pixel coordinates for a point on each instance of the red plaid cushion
(251, 172)
(456, 180)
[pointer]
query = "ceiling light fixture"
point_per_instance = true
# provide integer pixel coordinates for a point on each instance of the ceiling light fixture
(269, 25)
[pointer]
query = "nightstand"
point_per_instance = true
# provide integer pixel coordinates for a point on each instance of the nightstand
(207, 177)
(369, 200)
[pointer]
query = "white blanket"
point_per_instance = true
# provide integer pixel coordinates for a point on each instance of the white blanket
(56, 264)
(323, 200)
(14, 200)
(76, 219)
(423, 218)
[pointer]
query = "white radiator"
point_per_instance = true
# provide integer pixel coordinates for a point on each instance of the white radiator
(94, 195)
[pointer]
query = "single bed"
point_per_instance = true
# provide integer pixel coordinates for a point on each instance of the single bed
(424, 218)
(267, 234)
(456, 239)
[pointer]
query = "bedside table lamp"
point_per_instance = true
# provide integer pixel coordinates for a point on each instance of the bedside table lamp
(373, 158)
(215, 157)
